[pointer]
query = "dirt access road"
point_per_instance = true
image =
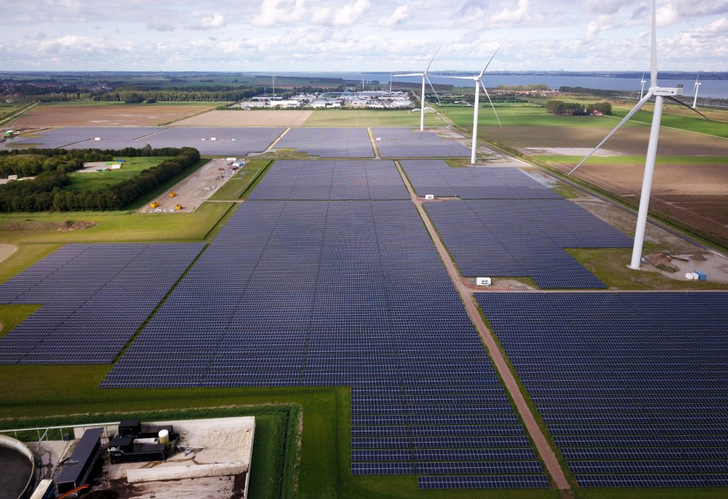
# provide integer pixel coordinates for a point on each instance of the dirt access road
(466, 295)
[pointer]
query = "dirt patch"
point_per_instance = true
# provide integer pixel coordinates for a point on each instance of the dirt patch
(105, 115)
(247, 118)
(194, 190)
(6, 251)
(71, 225)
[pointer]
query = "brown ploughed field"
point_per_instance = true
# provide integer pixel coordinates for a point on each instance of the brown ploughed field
(107, 115)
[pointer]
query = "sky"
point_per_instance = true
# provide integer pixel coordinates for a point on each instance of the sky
(359, 35)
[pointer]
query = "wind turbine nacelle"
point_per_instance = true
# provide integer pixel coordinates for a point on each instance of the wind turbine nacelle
(667, 92)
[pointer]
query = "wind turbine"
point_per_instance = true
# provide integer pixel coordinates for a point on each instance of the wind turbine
(697, 86)
(642, 88)
(424, 78)
(478, 79)
(659, 93)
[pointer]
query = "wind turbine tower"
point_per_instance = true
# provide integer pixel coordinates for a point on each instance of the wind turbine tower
(697, 86)
(424, 77)
(660, 94)
(478, 79)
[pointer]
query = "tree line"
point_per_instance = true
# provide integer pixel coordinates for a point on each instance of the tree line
(560, 108)
(46, 193)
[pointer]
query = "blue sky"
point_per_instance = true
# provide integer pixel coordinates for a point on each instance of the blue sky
(359, 35)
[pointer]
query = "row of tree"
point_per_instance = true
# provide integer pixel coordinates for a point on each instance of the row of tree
(560, 108)
(46, 193)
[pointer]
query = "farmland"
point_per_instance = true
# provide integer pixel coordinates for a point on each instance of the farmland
(246, 118)
(108, 114)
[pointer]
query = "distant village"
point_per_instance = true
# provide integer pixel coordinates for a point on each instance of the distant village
(370, 99)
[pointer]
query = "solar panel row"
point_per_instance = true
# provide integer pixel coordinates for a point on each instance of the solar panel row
(332, 180)
(94, 298)
(436, 177)
(515, 238)
(225, 141)
(318, 293)
(410, 143)
(329, 142)
(631, 385)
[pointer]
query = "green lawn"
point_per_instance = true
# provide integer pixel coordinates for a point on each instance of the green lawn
(49, 228)
(518, 115)
(688, 123)
(94, 180)
(370, 118)
(633, 160)
(237, 186)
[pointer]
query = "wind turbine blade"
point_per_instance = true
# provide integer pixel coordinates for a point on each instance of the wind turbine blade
(491, 103)
(614, 130)
(678, 101)
(433, 58)
(407, 74)
(653, 55)
(491, 59)
(433, 89)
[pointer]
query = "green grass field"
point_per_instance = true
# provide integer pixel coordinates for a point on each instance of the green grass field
(534, 115)
(238, 185)
(370, 118)
(632, 160)
(94, 180)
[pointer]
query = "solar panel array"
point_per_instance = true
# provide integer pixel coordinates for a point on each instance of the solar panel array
(436, 177)
(216, 141)
(331, 180)
(411, 143)
(329, 142)
(228, 141)
(632, 386)
(311, 293)
(512, 238)
(111, 137)
(94, 297)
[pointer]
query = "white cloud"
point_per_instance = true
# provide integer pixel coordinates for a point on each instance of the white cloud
(350, 13)
(508, 16)
(603, 23)
(215, 21)
(667, 15)
(275, 12)
(719, 26)
(400, 14)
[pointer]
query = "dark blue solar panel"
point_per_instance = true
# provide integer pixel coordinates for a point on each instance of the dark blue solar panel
(329, 142)
(514, 238)
(331, 180)
(441, 180)
(626, 382)
(319, 293)
(94, 299)
(411, 143)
